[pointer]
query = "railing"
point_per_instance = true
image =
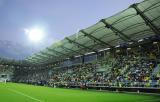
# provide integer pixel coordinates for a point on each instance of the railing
(146, 87)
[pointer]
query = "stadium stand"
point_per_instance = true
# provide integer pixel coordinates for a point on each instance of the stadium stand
(123, 68)
(121, 51)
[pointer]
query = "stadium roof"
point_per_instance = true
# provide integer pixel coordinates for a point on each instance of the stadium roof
(139, 21)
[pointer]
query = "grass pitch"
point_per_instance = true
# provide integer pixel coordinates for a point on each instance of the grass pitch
(12, 92)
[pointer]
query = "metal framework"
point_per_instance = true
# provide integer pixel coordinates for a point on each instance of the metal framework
(65, 48)
(74, 42)
(96, 39)
(146, 19)
(50, 55)
(116, 31)
(52, 50)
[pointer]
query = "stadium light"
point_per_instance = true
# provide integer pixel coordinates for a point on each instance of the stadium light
(140, 40)
(128, 48)
(130, 43)
(155, 43)
(77, 56)
(104, 49)
(67, 58)
(89, 53)
(35, 34)
(117, 46)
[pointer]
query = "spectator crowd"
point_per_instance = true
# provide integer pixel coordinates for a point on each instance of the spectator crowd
(133, 67)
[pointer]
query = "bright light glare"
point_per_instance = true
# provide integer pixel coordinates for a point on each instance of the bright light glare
(35, 34)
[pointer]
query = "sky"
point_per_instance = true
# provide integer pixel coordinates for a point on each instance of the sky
(58, 18)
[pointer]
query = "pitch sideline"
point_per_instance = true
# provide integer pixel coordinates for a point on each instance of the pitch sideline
(23, 94)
